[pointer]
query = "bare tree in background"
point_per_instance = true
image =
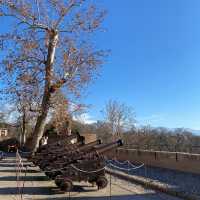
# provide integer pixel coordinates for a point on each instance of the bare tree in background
(2, 117)
(119, 117)
(26, 116)
(48, 48)
(63, 112)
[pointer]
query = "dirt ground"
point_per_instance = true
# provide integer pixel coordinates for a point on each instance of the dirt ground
(33, 184)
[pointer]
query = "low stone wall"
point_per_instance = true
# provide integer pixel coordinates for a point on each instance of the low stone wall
(89, 137)
(171, 160)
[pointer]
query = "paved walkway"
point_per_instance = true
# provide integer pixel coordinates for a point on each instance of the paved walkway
(38, 186)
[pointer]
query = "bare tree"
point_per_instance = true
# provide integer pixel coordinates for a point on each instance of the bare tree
(49, 48)
(25, 116)
(2, 117)
(119, 116)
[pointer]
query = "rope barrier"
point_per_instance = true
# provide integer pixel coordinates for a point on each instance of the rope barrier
(130, 166)
(123, 163)
(76, 168)
(88, 172)
(118, 165)
(125, 169)
(28, 152)
(133, 167)
(19, 168)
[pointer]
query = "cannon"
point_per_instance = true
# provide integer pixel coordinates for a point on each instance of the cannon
(63, 141)
(63, 144)
(49, 161)
(86, 166)
(81, 154)
(66, 162)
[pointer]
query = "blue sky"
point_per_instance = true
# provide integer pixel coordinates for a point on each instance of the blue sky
(154, 64)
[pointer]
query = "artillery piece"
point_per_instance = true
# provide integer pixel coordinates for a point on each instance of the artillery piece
(49, 161)
(64, 144)
(84, 166)
(67, 162)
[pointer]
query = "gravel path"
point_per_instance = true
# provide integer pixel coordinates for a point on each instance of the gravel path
(182, 181)
(37, 186)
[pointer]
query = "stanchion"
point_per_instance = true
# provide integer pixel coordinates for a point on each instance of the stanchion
(19, 168)
(110, 187)
(127, 167)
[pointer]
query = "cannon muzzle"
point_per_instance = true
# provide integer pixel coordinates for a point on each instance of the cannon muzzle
(83, 148)
(110, 146)
(120, 142)
(90, 145)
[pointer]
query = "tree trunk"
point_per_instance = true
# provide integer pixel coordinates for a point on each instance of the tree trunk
(40, 124)
(23, 137)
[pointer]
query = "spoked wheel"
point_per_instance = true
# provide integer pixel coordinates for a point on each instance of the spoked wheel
(54, 174)
(66, 185)
(92, 182)
(43, 166)
(58, 180)
(49, 174)
(101, 182)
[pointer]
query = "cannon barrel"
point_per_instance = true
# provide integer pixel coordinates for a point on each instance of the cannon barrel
(85, 148)
(60, 149)
(108, 147)
(95, 151)
(80, 156)
(91, 144)
(63, 152)
(92, 150)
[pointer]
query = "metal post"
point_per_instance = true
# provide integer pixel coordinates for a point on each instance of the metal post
(110, 187)
(128, 171)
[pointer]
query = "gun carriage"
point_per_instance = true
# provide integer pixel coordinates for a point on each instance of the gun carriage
(64, 144)
(88, 167)
(66, 162)
(49, 160)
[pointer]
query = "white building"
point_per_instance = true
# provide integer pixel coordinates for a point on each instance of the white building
(3, 132)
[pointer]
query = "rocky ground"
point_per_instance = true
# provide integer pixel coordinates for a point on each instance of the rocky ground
(33, 184)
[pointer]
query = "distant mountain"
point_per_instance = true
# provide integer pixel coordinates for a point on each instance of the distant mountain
(195, 132)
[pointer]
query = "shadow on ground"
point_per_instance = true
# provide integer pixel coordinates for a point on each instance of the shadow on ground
(40, 190)
(24, 178)
(27, 190)
(120, 197)
(22, 171)
(12, 165)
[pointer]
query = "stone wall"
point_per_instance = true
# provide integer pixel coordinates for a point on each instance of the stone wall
(89, 137)
(171, 160)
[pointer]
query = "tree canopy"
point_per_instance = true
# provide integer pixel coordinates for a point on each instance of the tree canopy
(48, 47)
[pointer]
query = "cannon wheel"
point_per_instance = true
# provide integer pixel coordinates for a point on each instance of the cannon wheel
(48, 174)
(101, 182)
(66, 185)
(52, 174)
(58, 180)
